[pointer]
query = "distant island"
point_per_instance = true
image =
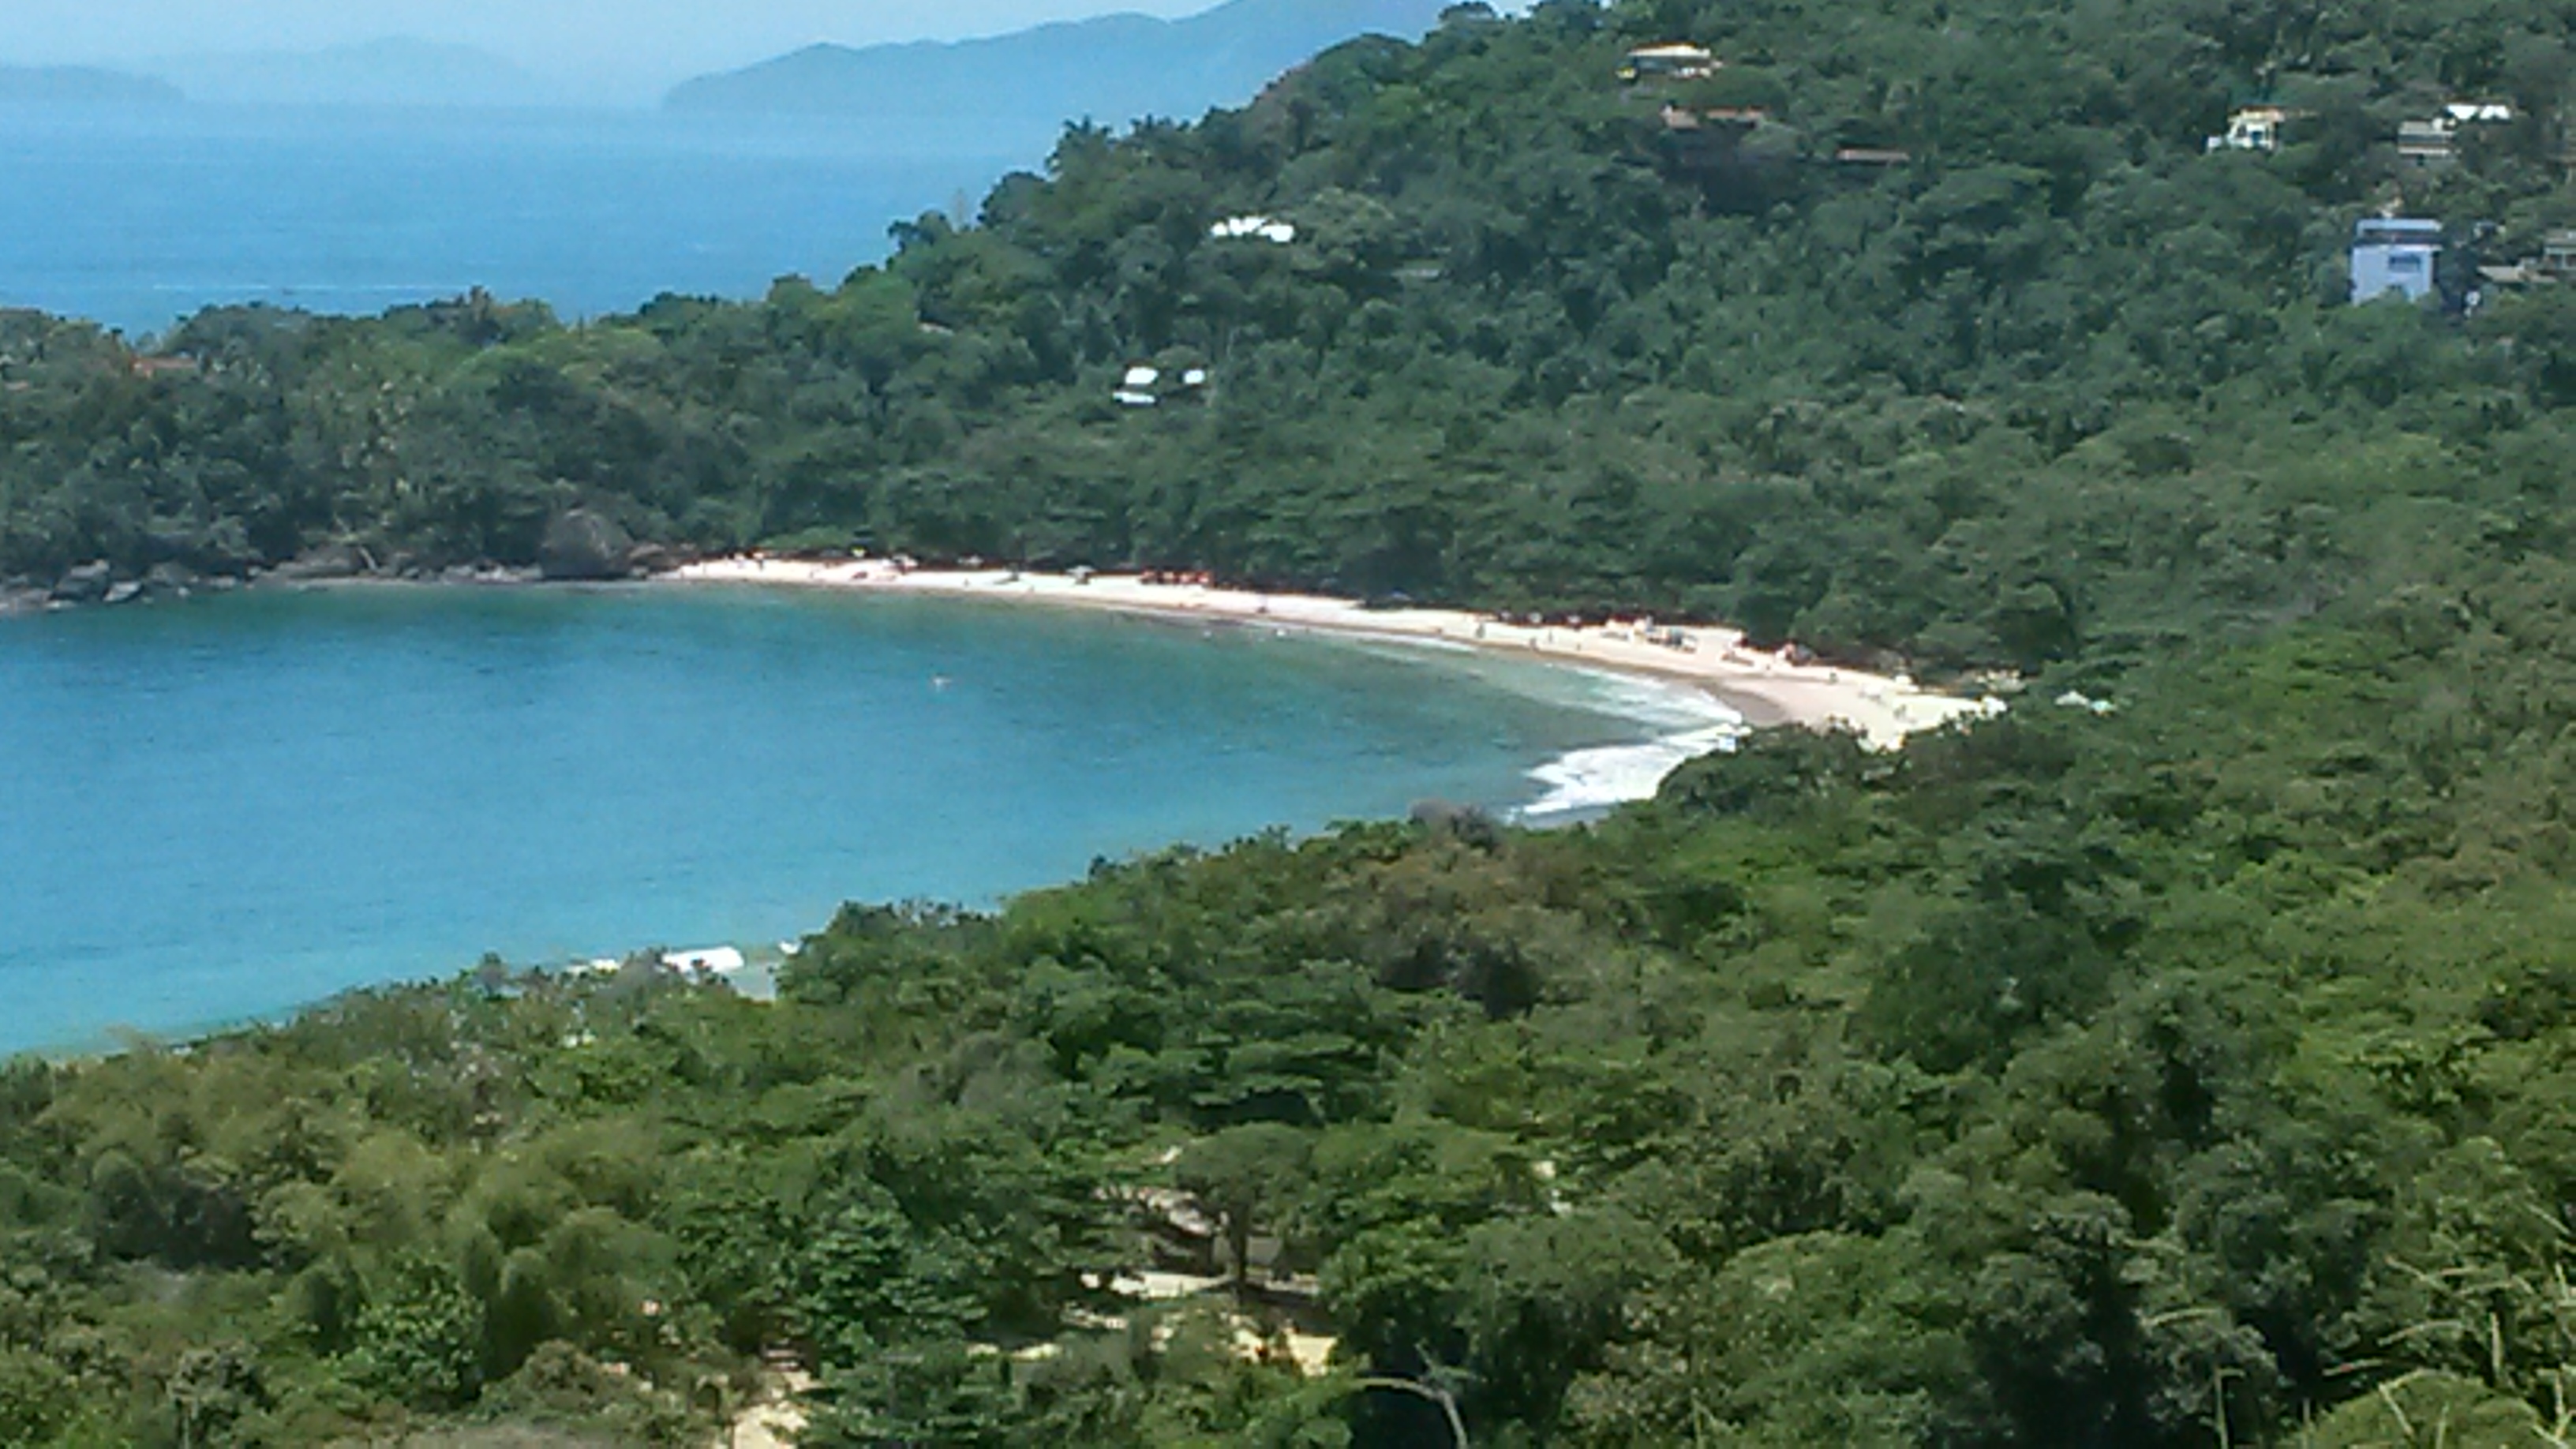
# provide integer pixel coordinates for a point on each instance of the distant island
(1112, 69)
(55, 85)
(397, 71)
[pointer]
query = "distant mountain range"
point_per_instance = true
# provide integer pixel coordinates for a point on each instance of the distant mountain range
(397, 72)
(1113, 69)
(72, 85)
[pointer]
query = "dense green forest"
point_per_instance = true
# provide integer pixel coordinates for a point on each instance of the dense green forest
(2202, 1073)
(2063, 384)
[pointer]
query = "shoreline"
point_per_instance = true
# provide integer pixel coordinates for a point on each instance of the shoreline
(1760, 689)
(1765, 688)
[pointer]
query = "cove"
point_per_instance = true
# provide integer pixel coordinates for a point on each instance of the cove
(215, 811)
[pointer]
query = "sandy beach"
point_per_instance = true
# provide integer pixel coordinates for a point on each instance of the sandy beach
(1766, 688)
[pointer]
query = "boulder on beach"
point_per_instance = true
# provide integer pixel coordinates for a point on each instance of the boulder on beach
(86, 584)
(585, 545)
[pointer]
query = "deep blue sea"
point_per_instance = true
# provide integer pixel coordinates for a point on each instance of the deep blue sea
(135, 218)
(221, 809)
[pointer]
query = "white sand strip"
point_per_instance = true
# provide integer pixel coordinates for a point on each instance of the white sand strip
(1764, 686)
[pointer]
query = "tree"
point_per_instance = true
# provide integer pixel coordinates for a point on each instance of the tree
(1246, 1175)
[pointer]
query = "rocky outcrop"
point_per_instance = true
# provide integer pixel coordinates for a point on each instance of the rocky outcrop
(87, 584)
(330, 561)
(586, 545)
(486, 574)
(171, 581)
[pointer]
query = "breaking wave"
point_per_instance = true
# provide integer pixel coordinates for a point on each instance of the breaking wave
(1688, 722)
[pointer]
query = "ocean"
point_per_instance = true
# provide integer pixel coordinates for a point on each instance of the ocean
(137, 218)
(218, 810)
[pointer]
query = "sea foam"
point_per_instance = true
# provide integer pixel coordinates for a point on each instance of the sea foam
(1690, 723)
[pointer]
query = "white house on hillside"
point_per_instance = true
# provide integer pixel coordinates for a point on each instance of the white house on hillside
(2252, 128)
(1675, 61)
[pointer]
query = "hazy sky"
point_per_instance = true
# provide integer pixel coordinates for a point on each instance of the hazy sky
(615, 44)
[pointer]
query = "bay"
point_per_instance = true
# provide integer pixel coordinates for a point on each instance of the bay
(137, 217)
(218, 810)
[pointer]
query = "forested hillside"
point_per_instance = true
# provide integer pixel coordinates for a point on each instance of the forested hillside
(2060, 383)
(2192, 1074)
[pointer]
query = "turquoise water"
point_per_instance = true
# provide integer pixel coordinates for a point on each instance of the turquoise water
(219, 810)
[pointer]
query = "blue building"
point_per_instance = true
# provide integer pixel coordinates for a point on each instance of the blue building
(2394, 254)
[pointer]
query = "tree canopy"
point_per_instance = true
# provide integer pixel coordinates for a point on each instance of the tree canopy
(2189, 1071)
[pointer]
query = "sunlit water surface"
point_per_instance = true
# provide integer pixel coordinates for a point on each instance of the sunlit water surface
(217, 810)
(135, 217)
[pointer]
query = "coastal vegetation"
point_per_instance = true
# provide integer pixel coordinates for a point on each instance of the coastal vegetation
(2062, 385)
(2186, 1063)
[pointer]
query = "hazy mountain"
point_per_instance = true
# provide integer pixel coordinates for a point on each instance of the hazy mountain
(379, 73)
(1113, 69)
(57, 85)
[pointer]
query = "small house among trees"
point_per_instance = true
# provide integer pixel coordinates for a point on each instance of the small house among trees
(2558, 255)
(2433, 143)
(2394, 254)
(2252, 128)
(2425, 145)
(1674, 61)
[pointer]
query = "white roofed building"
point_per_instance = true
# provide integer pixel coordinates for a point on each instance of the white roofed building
(1256, 228)
(2252, 128)
(1672, 61)
(2433, 143)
